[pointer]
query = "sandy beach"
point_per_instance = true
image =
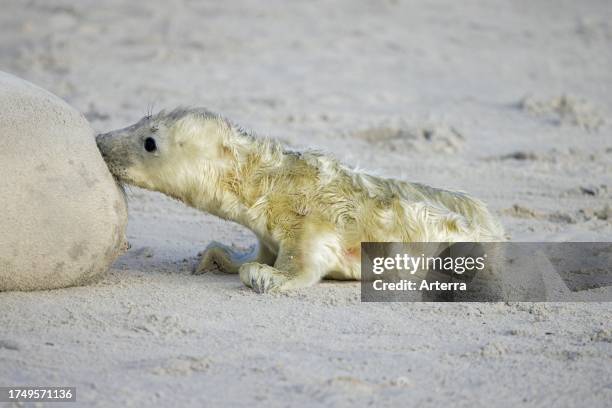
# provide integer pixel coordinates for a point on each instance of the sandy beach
(509, 101)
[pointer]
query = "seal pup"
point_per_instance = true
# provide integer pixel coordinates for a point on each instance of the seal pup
(309, 211)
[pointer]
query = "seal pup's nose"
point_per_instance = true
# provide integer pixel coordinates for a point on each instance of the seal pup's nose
(100, 139)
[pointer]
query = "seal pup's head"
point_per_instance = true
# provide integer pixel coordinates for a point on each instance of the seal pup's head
(176, 152)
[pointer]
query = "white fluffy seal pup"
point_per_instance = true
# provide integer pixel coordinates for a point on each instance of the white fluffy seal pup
(309, 211)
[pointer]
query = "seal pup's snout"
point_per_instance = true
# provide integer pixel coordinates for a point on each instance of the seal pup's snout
(104, 142)
(118, 151)
(100, 143)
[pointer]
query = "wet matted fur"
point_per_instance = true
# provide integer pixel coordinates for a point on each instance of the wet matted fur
(309, 211)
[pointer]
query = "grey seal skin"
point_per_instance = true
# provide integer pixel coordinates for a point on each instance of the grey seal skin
(63, 218)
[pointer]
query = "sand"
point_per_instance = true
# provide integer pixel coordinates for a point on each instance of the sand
(509, 101)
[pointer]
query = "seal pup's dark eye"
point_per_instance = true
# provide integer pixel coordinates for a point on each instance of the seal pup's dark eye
(149, 144)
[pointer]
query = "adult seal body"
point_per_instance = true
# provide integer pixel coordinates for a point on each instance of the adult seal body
(62, 217)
